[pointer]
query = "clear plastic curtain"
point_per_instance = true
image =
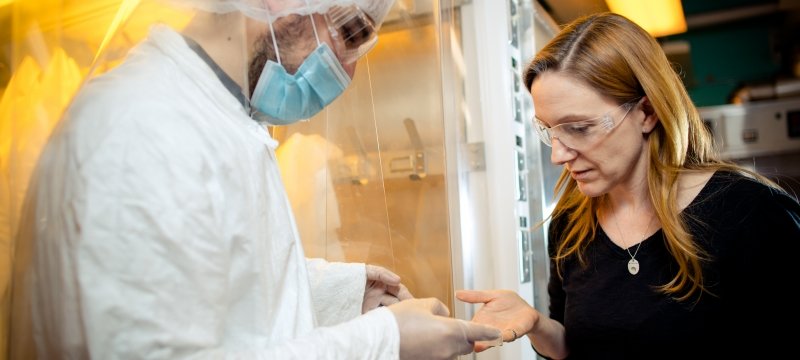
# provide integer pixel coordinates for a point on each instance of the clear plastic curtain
(377, 156)
(55, 46)
(46, 66)
(331, 166)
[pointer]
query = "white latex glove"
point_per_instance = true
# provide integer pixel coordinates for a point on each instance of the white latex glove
(383, 289)
(427, 333)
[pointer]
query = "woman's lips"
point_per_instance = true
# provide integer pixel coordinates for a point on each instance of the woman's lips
(580, 175)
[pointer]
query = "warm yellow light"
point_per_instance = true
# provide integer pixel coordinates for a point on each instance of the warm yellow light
(658, 17)
(5, 2)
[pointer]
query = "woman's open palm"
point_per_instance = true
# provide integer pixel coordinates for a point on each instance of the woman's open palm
(502, 309)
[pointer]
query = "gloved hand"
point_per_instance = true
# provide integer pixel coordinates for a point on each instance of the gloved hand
(503, 309)
(427, 333)
(383, 289)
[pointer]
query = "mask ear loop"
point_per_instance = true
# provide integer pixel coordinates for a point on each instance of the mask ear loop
(313, 25)
(274, 40)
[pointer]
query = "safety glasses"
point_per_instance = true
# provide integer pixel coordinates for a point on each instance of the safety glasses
(353, 32)
(584, 134)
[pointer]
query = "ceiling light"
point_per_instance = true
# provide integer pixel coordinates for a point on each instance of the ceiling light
(658, 17)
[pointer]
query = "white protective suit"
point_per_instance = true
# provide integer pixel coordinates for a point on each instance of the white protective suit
(169, 226)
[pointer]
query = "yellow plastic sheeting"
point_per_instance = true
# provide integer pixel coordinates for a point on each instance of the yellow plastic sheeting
(54, 45)
(29, 109)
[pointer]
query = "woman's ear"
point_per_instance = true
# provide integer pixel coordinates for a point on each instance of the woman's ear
(650, 118)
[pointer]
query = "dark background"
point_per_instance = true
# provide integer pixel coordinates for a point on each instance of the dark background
(731, 43)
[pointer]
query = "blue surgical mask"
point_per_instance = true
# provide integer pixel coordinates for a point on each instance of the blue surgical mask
(282, 99)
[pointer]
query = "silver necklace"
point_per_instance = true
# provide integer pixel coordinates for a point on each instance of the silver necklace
(633, 264)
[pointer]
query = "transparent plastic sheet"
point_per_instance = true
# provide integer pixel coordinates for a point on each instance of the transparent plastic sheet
(58, 46)
(331, 167)
(386, 194)
(51, 46)
(43, 78)
(411, 131)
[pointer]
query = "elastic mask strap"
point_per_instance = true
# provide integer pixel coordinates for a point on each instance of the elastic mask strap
(313, 24)
(274, 41)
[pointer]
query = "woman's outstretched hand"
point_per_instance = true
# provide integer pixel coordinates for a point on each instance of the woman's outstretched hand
(502, 309)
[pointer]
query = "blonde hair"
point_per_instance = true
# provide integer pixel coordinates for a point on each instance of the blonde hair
(620, 60)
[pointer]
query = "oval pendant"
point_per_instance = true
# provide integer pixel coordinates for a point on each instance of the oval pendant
(633, 266)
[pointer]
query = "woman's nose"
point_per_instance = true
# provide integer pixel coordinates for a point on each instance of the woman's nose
(561, 153)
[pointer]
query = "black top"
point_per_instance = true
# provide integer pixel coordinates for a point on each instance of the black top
(750, 230)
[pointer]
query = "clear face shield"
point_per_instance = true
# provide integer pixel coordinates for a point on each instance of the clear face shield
(351, 24)
(353, 32)
(332, 165)
(308, 58)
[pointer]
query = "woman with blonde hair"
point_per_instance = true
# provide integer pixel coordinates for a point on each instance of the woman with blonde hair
(658, 247)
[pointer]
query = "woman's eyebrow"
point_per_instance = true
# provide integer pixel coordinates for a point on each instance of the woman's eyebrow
(566, 118)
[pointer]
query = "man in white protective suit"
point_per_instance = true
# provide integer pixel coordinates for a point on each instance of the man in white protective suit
(158, 225)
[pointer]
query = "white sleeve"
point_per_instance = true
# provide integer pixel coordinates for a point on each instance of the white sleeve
(373, 335)
(337, 290)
